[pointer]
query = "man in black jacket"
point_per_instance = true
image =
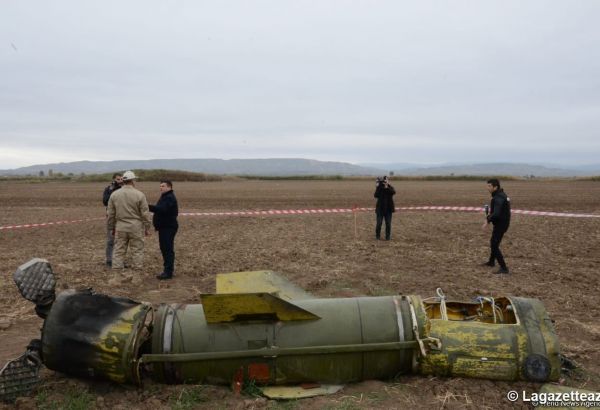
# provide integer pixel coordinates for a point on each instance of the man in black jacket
(499, 216)
(165, 222)
(117, 182)
(384, 193)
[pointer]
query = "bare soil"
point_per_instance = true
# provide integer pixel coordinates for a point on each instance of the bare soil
(553, 259)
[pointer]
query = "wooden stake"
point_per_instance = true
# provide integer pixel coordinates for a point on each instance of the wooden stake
(355, 223)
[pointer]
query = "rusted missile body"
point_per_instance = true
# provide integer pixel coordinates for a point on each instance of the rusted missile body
(260, 327)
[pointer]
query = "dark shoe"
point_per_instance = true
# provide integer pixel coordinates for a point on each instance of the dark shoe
(164, 276)
(387, 239)
(502, 271)
(489, 264)
(377, 238)
(109, 264)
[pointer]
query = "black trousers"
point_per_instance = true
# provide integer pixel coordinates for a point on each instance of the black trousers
(388, 225)
(166, 240)
(496, 255)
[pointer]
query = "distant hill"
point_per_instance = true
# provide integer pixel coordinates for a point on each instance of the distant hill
(303, 167)
(512, 169)
(251, 167)
(494, 169)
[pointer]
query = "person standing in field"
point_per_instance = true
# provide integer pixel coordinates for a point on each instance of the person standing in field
(385, 207)
(117, 181)
(129, 220)
(165, 222)
(499, 216)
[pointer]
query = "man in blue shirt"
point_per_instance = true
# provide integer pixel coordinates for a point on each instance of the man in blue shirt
(165, 222)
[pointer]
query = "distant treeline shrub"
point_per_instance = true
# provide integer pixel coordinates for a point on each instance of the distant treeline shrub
(453, 177)
(294, 177)
(180, 176)
(157, 175)
(142, 174)
(35, 178)
(362, 177)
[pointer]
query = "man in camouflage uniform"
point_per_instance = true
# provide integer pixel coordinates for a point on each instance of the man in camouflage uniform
(129, 218)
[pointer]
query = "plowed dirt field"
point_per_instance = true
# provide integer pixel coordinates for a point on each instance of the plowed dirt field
(554, 259)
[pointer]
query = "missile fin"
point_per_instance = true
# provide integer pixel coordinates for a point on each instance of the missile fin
(238, 307)
(260, 282)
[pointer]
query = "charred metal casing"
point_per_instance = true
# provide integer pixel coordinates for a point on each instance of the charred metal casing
(92, 335)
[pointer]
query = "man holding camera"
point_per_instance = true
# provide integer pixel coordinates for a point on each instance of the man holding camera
(499, 216)
(117, 182)
(384, 193)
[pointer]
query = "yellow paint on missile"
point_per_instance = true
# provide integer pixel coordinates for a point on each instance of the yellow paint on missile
(112, 347)
(251, 306)
(260, 282)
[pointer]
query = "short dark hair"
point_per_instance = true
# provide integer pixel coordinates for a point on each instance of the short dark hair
(117, 174)
(494, 182)
(167, 182)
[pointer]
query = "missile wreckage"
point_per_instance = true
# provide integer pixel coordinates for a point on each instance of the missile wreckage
(260, 327)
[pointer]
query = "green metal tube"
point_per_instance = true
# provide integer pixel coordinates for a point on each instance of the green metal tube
(274, 352)
(354, 339)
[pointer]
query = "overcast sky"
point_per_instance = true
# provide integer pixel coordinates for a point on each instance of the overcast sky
(355, 81)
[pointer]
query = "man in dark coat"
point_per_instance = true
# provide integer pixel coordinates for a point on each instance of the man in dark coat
(165, 222)
(499, 216)
(117, 182)
(384, 209)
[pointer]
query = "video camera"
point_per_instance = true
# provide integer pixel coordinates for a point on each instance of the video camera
(381, 180)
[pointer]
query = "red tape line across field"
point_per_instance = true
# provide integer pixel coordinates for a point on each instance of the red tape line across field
(318, 211)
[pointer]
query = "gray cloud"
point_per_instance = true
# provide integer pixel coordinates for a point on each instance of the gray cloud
(356, 81)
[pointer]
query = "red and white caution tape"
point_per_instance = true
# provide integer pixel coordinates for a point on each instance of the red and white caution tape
(514, 211)
(563, 214)
(44, 224)
(404, 208)
(277, 212)
(320, 211)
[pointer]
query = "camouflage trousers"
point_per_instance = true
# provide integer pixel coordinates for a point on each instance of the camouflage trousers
(131, 244)
(110, 243)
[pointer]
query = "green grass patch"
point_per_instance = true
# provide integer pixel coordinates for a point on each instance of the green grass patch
(345, 404)
(188, 397)
(249, 388)
(70, 399)
(284, 404)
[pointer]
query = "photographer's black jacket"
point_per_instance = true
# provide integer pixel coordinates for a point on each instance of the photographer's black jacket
(108, 191)
(385, 200)
(165, 211)
(499, 210)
